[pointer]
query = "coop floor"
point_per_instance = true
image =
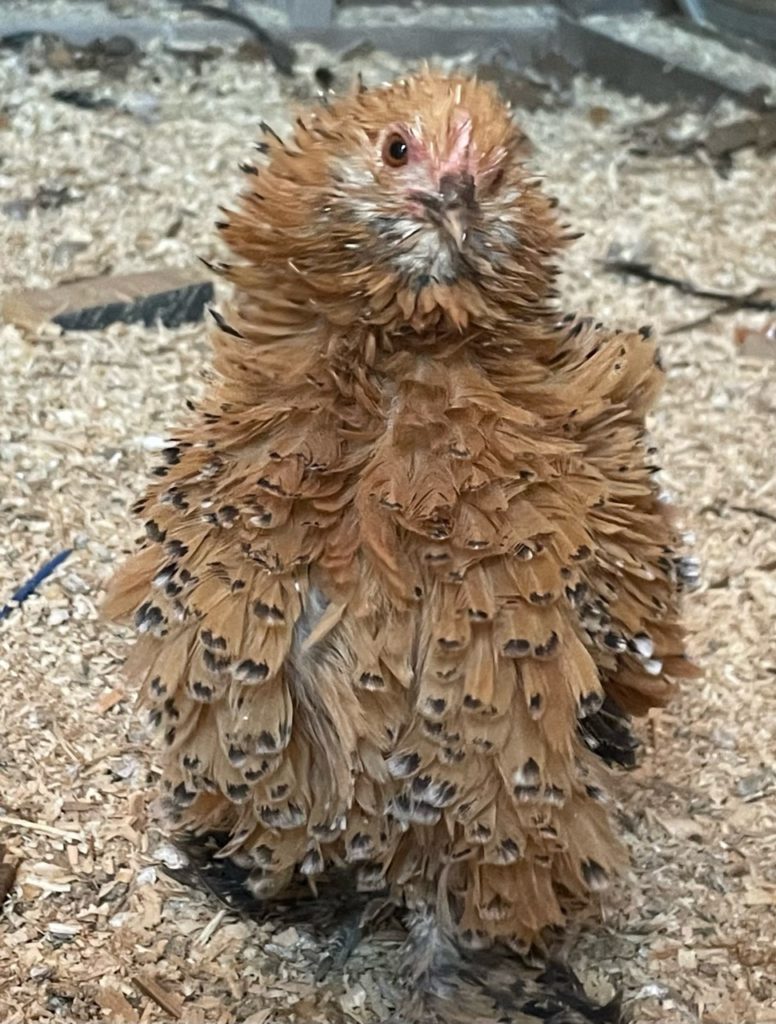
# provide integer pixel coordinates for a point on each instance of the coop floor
(93, 920)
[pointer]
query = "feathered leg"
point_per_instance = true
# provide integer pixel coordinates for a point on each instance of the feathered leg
(450, 985)
(354, 924)
(333, 909)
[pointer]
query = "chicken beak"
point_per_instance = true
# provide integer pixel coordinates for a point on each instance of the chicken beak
(458, 200)
(451, 207)
(455, 221)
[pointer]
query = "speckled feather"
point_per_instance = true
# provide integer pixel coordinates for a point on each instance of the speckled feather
(407, 568)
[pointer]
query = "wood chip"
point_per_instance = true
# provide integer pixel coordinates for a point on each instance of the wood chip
(111, 699)
(117, 1005)
(756, 343)
(38, 826)
(168, 1001)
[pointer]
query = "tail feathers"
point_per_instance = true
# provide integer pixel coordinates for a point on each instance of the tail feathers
(458, 986)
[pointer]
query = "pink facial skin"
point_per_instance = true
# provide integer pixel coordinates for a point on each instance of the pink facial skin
(430, 160)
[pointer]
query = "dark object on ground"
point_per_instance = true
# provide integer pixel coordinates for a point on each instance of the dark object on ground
(17, 40)
(726, 139)
(656, 137)
(82, 98)
(32, 584)
(8, 869)
(760, 298)
(195, 56)
(113, 56)
(170, 295)
(47, 197)
(763, 297)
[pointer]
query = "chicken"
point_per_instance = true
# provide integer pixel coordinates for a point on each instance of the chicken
(407, 572)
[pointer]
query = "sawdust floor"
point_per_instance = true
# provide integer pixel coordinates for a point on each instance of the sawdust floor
(93, 924)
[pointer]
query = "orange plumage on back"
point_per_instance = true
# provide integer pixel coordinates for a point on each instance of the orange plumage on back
(406, 570)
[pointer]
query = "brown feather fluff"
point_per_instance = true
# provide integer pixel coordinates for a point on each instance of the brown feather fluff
(408, 555)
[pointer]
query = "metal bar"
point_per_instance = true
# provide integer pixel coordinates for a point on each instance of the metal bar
(638, 71)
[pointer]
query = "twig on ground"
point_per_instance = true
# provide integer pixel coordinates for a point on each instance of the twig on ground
(763, 297)
(280, 53)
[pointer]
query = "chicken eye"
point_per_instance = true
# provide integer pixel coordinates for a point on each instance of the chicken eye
(395, 151)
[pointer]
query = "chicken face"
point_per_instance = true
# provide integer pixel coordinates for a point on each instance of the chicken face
(433, 189)
(409, 203)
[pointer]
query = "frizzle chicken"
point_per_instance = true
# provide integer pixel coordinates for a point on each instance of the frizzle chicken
(407, 572)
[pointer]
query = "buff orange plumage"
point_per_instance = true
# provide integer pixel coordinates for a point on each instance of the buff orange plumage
(406, 569)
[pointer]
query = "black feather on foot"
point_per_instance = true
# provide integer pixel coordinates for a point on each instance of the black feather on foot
(455, 986)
